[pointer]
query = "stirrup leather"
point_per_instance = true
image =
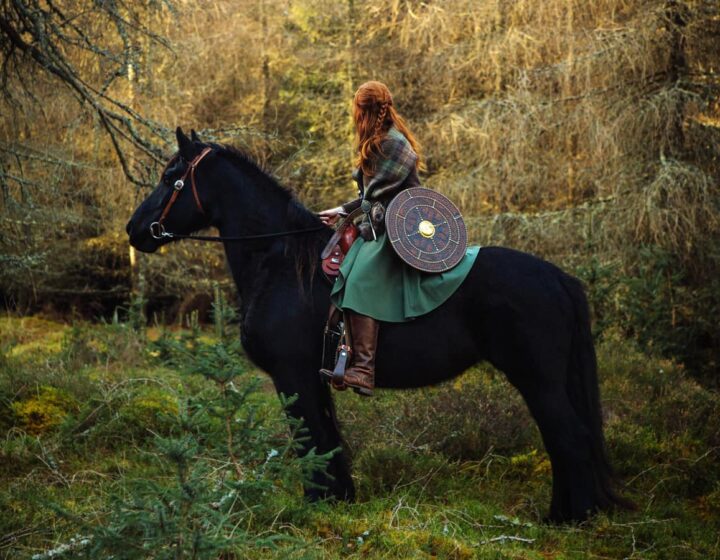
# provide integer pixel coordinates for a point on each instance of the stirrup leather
(337, 353)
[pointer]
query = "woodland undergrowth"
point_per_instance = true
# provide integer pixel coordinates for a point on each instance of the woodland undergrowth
(167, 444)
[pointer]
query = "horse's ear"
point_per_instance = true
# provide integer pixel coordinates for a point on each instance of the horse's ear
(185, 145)
(193, 135)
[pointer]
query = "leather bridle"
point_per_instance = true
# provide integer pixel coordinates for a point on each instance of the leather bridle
(157, 230)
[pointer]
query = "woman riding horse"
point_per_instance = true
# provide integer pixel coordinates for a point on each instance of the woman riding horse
(523, 315)
(374, 284)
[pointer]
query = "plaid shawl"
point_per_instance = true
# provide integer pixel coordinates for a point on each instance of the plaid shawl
(391, 172)
(392, 169)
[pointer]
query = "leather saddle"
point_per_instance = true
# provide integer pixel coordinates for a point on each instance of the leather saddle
(334, 252)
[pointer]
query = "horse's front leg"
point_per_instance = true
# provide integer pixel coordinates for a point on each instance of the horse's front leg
(315, 408)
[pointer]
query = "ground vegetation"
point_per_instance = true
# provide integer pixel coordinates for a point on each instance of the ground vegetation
(167, 444)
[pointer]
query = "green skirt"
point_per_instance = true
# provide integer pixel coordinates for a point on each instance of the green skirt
(374, 281)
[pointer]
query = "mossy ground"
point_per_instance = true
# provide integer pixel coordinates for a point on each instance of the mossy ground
(456, 471)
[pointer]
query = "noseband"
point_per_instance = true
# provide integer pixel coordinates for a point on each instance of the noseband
(157, 230)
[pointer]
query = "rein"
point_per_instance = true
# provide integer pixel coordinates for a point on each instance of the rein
(169, 235)
(157, 229)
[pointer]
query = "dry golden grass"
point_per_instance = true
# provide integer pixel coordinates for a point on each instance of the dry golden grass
(547, 122)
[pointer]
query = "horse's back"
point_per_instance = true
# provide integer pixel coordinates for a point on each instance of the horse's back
(511, 306)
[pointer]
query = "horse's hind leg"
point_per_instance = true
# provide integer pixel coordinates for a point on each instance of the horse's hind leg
(567, 441)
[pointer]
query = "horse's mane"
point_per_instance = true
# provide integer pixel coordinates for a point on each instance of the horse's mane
(297, 213)
(250, 165)
(304, 248)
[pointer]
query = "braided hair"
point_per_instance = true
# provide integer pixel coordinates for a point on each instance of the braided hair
(374, 114)
(381, 116)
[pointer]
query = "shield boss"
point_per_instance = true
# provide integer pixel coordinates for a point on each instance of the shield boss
(426, 230)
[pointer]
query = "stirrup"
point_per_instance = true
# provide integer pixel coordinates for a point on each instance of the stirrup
(337, 376)
(362, 391)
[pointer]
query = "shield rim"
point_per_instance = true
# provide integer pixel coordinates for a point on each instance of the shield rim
(395, 236)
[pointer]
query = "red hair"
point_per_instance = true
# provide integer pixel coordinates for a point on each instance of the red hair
(374, 114)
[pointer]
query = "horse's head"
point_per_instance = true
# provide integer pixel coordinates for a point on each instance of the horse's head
(177, 203)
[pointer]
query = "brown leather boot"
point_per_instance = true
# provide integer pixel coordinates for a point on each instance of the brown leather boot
(363, 335)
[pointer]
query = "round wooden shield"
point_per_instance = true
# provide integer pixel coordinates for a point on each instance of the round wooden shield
(426, 230)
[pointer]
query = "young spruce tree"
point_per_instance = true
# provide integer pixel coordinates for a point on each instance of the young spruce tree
(222, 477)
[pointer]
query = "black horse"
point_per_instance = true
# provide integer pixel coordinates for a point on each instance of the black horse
(520, 313)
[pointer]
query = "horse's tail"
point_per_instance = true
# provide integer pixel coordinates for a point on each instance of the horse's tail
(584, 392)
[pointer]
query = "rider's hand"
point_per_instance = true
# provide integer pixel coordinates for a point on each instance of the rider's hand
(330, 216)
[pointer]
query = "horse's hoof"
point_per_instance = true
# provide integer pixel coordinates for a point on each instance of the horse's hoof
(556, 519)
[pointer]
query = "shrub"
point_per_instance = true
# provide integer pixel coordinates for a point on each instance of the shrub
(657, 302)
(150, 410)
(466, 419)
(659, 420)
(85, 344)
(220, 477)
(386, 469)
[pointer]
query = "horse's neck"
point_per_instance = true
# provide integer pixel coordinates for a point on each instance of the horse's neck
(260, 265)
(254, 270)
(249, 261)
(266, 213)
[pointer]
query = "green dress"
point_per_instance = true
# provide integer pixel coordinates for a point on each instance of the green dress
(373, 280)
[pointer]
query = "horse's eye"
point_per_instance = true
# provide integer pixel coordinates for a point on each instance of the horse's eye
(173, 172)
(169, 177)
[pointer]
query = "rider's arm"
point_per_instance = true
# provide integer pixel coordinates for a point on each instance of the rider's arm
(352, 205)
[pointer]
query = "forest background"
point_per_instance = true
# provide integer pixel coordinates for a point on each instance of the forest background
(584, 132)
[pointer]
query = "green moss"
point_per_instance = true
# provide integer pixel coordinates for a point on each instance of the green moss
(45, 410)
(146, 409)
